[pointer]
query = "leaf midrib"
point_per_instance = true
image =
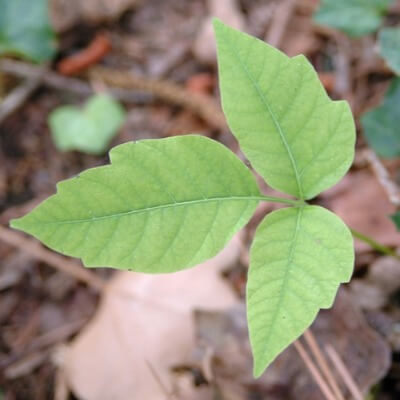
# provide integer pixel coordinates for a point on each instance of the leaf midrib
(285, 277)
(155, 208)
(274, 119)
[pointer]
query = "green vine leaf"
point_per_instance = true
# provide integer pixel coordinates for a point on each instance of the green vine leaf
(296, 138)
(25, 30)
(381, 123)
(89, 130)
(161, 206)
(354, 17)
(389, 45)
(298, 258)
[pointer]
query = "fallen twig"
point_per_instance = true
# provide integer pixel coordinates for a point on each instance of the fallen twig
(314, 371)
(391, 189)
(122, 85)
(160, 383)
(201, 105)
(57, 81)
(61, 389)
(44, 341)
(20, 94)
(70, 267)
(282, 14)
(344, 373)
(374, 244)
(26, 365)
(322, 363)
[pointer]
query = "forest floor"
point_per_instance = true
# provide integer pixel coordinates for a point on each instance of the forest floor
(160, 63)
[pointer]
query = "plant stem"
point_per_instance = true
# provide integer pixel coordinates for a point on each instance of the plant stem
(366, 239)
(273, 199)
(374, 244)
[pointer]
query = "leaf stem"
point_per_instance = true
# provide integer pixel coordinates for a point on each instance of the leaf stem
(374, 244)
(273, 199)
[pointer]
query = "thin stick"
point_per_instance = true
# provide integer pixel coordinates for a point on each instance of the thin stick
(44, 341)
(314, 371)
(61, 389)
(282, 200)
(19, 95)
(344, 372)
(202, 105)
(322, 363)
(281, 17)
(157, 378)
(375, 245)
(32, 247)
(125, 86)
(57, 81)
(390, 187)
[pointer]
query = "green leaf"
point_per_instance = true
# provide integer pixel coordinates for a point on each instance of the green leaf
(25, 30)
(297, 261)
(389, 45)
(295, 137)
(89, 130)
(161, 206)
(381, 125)
(354, 17)
(396, 219)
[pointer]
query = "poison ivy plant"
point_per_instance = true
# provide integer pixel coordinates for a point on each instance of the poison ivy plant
(25, 30)
(354, 17)
(89, 130)
(389, 45)
(165, 205)
(381, 125)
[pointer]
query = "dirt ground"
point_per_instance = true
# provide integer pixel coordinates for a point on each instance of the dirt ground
(162, 66)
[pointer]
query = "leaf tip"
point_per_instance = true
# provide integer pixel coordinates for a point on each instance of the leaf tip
(23, 224)
(217, 23)
(259, 368)
(16, 223)
(219, 27)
